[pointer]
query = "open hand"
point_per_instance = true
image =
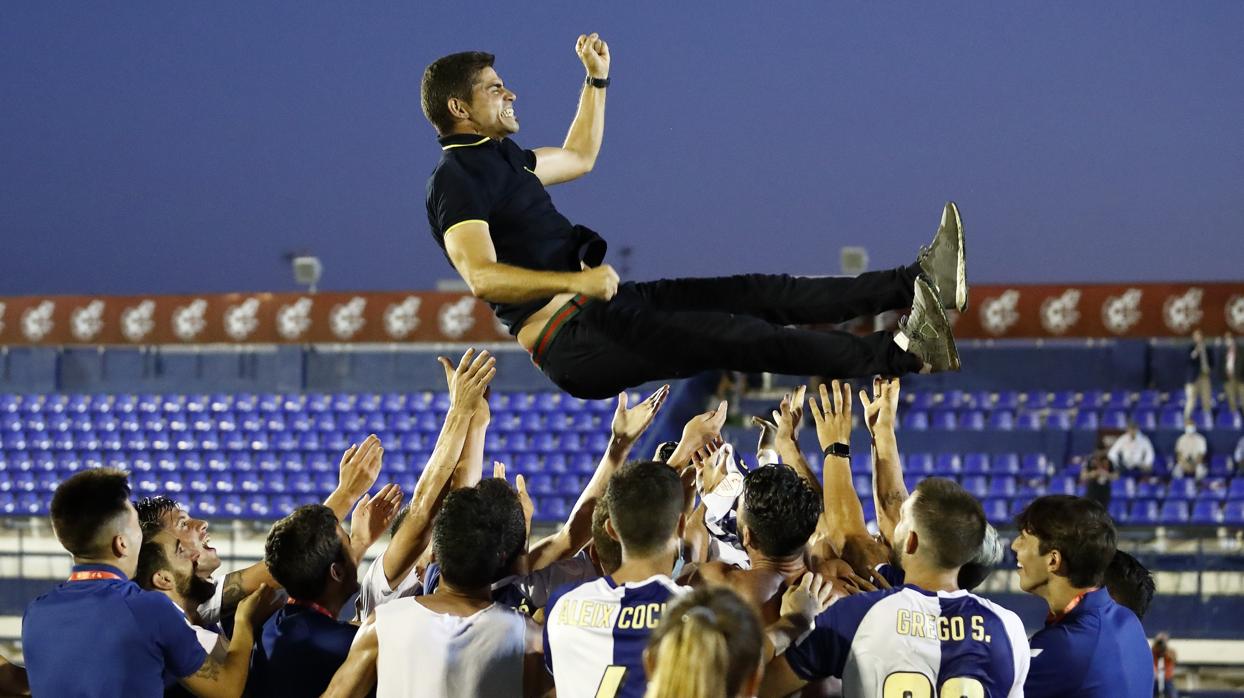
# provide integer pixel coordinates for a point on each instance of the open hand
(808, 598)
(833, 415)
(257, 607)
(520, 485)
(881, 410)
(360, 466)
(629, 424)
(373, 516)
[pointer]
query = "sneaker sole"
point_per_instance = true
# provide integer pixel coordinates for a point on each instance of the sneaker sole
(961, 270)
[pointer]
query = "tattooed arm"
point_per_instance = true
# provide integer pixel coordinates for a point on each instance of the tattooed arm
(227, 678)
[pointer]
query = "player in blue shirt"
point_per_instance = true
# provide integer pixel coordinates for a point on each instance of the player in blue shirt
(1091, 646)
(923, 639)
(303, 644)
(99, 634)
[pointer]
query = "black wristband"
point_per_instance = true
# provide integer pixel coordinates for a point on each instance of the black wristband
(596, 82)
(838, 449)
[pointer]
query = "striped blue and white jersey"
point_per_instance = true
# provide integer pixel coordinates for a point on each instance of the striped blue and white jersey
(595, 634)
(916, 644)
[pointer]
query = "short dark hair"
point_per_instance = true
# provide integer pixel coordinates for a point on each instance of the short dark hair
(1130, 583)
(151, 559)
(301, 548)
(508, 517)
(951, 521)
(84, 504)
(780, 509)
(1079, 529)
(450, 76)
(645, 501)
(608, 550)
(466, 541)
(151, 512)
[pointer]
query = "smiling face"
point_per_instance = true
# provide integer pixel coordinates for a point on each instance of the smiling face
(194, 538)
(491, 109)
(1034, 567)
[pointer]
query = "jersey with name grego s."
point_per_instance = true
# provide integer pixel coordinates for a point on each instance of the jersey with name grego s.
(595, 634)
(910, 643)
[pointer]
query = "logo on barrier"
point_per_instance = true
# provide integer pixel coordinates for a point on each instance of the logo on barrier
(457, 318)
(400, 319)
(138, 321)
(347, 318)
(294, 319)
(87, 321)
(1060, 313)
(1234, 312)
(189, 320)
(242, 319)
(1182, 313)
(1121, 313)
(37, 321)
(1000, 314)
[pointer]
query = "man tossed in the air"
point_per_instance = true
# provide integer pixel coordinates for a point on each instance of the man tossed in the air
(546, 279)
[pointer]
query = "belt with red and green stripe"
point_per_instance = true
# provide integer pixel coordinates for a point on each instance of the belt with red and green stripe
(563, 315)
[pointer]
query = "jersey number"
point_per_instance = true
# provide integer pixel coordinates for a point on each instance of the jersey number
(910, 684)
(611, 681)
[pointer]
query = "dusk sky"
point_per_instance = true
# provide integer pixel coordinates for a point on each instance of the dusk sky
(165, 147)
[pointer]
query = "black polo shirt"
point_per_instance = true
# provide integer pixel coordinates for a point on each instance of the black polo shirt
(481, 179)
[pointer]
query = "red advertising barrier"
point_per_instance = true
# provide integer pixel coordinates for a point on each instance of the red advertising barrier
(1020, 311)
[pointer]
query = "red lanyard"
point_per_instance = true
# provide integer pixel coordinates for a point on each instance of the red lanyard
(311, 605)
(1056, 617)
(84, 575)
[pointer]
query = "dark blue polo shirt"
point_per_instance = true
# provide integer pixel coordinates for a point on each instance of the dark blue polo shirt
(106, 638)
(1098, 650)
(481, 179)
(298, 652)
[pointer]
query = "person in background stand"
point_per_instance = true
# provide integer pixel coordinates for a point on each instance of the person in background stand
(1197, 382)
(1132, 451)
(1233, 373)
(1190, 451)
(1096, 477)
(1164, 667)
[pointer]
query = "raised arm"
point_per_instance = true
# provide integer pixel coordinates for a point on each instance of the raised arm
(843, 512)
(578, 153)
(469, 246)
(470, 380)
(627, 426)
(372, 517)
(227, 678)
(889, 489)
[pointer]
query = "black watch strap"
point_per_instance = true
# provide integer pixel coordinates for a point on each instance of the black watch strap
(596, 82)
(838, 449)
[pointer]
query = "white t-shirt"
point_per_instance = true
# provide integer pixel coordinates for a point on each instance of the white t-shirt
(424, 653)
(209, 611)
(374, 590)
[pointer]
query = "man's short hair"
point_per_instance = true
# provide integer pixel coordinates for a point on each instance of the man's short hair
(466, 541)
(1130, 583)
(301, 548)
(645, 500)
(951, 522)
(151, 559)
(608, 550)
(1079, 529)
(780, 509)
(151, 513)
(507, 512)
(450, 76)
(84, 504)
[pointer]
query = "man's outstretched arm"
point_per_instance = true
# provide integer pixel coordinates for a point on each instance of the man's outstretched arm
(470, 248)
(578, 154)
(889, 489)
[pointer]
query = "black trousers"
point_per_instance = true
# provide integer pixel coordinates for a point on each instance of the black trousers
(674, 328)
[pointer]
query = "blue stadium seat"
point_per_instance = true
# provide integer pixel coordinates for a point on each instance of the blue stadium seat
(918, 463)
(1206, 512)
(1233, 513)
(946, 464)
(1123, 488)
(1059, 420)
(1119, 512)
(1004, 464)
(1226, 418)
(921, 400)
(1114, 419)
(1235, 491)
(972, 420)
(1062, 399)
(863, 485)
(1062, 484)
(1028, 421)
(1220, 465)
(1035, 465)
(916, 420)
(943, 419)
(1118, 399)
(1145, 512)
(997, 510)
(1182, 489)
(976, 464)
(976, 485)
(1171, 417)
(1002, 486)
(1146, 419)
(1174, 513)
(1093, 398)
(1086, 420)
(1002, 420)
(1149, 399)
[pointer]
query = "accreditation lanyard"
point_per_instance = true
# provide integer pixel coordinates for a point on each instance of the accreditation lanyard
(311, 605)
(89, 575)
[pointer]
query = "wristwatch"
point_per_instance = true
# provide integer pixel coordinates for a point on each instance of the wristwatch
(838, 449)
(596, 82)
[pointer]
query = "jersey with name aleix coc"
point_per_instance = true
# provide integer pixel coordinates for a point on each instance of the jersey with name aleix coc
(595, 634)
(910, 643)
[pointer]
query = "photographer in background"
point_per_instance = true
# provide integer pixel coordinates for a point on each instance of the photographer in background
(1164, 667)
(1096, 476)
